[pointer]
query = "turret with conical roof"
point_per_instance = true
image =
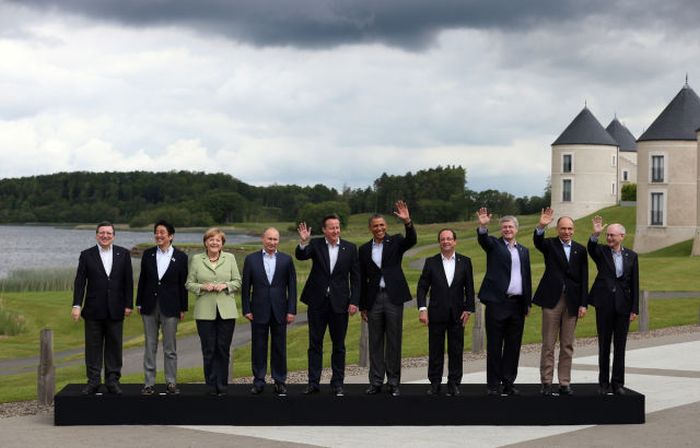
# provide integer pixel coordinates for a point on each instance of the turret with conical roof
(679, 120)
(624, 138)
(585, 129)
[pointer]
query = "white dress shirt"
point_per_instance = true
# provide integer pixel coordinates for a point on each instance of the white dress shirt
(107, 257)
(163, 260)
(377, 250)
(270, 262)
(515, 287)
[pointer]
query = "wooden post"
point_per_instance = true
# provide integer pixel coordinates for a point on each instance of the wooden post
(46, 377)
(478, 334)
(364, 344)
(644, 312)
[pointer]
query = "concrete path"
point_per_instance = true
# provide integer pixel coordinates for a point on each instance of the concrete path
(665, 369)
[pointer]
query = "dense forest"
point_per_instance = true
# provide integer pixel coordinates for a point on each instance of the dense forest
(199, 199)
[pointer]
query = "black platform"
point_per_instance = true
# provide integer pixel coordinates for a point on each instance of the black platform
(413, 408)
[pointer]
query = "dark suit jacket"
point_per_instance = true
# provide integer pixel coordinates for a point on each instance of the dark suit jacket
(608, 291)
(458, 297)
(394, 279)
(169, 291)
(497, 278)
(105, 297)
(560, 273)
(344, 282)
(269, 300)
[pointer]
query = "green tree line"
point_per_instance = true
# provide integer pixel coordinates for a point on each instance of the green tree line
(200, 199)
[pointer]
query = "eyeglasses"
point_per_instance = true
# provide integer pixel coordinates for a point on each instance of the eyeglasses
(614, 234)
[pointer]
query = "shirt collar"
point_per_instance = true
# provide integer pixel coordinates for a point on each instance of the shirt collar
(169, 250)
(444, 258)
(109, 249)
(329, 244)
(265, 254)
(564, 243)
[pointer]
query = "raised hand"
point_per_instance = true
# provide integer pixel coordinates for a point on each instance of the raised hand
(598, 225)
(546, 217)
(402, 211)
(483, 216)
(304, 232)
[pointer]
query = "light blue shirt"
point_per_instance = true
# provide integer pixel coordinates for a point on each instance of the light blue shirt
(617, 259)
(270, 262)
(567, 249)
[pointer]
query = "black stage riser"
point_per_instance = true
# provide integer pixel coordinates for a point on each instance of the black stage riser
(413, 408)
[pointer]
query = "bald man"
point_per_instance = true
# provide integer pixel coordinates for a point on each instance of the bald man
(562, 294)
(615, 295)
(269, 299)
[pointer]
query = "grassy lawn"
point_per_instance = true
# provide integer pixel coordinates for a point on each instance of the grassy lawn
(669, 269)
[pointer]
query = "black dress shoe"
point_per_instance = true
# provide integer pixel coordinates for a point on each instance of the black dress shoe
(394, 391)
(546, 390)
(603, 389)
(311, 389)
(90, 389)
(337, 391)
(453, 390)
(434, 389)
(113, 388)
(510, 390)
(493, 393)
(255, 390)
(619, 390)
(280, 389)
(566, 390)
(373, 390)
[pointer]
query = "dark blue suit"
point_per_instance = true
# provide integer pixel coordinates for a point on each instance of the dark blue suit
(505, 315)
(269, 303)
(328, 295)
(103, 299)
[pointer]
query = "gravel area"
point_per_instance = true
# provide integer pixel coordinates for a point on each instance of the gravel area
(20, 408)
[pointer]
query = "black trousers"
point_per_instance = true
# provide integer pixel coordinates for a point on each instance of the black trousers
(612, 327)
(103, 342)
(215, 337)
(436, 351)
(385, 325)
(278, 356)
(504, 334)
(319, 319)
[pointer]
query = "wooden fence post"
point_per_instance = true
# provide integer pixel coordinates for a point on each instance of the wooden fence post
(644, 312)
(478, 329)
(364, 344)
(46, 377)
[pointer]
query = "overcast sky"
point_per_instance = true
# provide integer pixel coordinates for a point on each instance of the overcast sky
(332, 92)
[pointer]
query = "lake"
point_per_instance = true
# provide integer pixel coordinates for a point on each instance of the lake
(30, 247)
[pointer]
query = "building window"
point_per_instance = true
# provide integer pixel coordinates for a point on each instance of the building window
(657, 168)
(566, 190)
(613, 161)
(566, 163)
(613, 188)
(625, 175)
(657, 209)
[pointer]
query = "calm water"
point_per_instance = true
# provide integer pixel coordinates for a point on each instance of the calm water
(29, 247)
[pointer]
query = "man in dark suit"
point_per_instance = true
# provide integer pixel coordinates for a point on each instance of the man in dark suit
(506, 291)
(270, 307)
(161, 298)
(448, 279)
(332, 292)
(615, 295)
(562, 294)
(103, 294)
(382, 295)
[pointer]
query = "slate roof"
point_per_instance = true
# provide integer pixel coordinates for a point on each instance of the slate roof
(678, 121)
(624, 138)
(585, 129)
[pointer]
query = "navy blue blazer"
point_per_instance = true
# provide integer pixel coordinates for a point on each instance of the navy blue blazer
(169, 292)
(99, 295)
(498, 264)
(608, 291)
(392, 254)
(343, 283)
(269, 300)
(457, 297)
(561, 274)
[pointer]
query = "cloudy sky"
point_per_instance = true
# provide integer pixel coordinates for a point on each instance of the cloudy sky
(329, 91)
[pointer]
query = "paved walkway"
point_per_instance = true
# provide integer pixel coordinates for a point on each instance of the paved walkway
(666, 369)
